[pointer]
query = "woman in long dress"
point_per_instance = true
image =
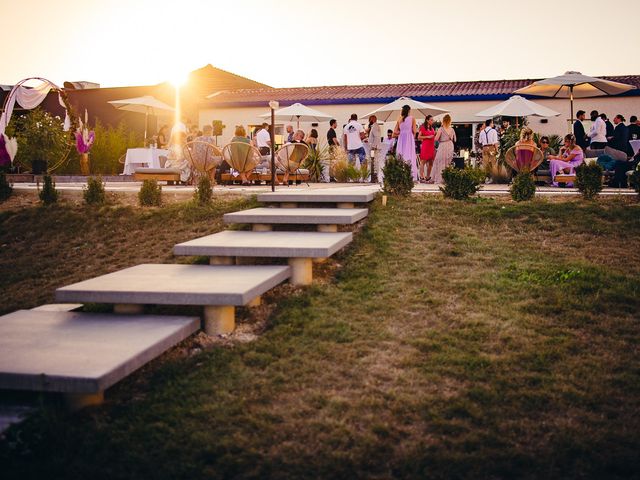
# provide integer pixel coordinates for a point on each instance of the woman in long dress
(446, 136)
(406, 145)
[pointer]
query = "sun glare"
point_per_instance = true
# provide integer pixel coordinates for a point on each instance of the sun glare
(178, 79)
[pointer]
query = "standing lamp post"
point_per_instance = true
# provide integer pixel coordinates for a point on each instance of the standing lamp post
(273, 105)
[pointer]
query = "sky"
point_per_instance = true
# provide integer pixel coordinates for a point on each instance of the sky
(289, 43)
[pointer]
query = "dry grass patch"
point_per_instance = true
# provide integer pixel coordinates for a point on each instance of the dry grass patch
(480, 339)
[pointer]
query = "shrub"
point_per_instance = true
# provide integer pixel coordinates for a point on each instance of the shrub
(523, 187)
(316, 162)
(150, 194)
(397, 177)
(353, 173)
(589, 180)
(94, 193)
(340, 171)
(5, 187)
(203, 192)
(111, 143)
(48, 194)
(461, 183)
(41, 139)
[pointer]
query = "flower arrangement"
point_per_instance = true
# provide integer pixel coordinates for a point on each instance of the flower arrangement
(84, 142)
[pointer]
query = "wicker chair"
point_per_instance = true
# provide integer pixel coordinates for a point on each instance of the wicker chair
(290, 157)
(242, 157)
(203, 158)
(524, 158)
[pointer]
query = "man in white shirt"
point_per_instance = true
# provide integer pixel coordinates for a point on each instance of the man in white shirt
(488, 138)
(598, 132)
(353, 133)
(263, 140)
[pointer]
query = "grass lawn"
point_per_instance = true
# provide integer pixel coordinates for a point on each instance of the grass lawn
(481, 339)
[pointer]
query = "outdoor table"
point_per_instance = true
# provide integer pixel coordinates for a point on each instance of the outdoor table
(142, 157)
(635, 144)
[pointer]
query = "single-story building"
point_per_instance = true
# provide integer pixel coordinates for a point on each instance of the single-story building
(463, 99)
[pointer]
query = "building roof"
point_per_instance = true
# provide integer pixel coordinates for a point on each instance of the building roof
(357, 94)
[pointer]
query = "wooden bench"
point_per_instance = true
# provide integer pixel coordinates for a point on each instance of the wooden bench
(169, 175)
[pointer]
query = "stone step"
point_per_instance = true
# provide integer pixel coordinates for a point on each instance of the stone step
(342, 197)
(82, 354)
(298, 247)
(218, 288)
(327, 219)
(59, 307)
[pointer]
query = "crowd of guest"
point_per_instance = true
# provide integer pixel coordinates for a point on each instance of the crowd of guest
(429, 150)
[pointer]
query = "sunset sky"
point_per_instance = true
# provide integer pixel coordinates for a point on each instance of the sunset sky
(329, 42)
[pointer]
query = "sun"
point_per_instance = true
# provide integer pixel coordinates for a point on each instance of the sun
(178, 79)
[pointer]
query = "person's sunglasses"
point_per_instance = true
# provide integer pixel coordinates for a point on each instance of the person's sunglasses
(544, 142)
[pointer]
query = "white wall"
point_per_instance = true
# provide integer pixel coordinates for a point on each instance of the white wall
(462, 112)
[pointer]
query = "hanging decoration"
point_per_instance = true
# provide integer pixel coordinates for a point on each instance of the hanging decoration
(84, 142)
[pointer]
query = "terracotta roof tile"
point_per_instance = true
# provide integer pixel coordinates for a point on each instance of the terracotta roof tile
(443, 91)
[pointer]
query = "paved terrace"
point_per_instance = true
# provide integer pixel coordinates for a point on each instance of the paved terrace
(134, 187)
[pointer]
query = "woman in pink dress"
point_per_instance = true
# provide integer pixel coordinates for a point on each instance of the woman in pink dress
(571, 156)
(446, 136)
(405, 131)
(427, 149)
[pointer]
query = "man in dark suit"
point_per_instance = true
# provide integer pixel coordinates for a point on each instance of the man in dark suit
(610, 127)
(578, 130)
(620, 140)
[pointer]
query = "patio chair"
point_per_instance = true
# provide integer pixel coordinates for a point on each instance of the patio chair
(203, 157)
(524, 158)
(242, 157)
(289, 158)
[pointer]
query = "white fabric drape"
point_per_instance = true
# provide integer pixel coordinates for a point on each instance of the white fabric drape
(27, 98)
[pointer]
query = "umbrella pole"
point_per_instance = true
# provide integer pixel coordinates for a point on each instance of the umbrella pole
(298, 124)
(273, 147)
(146, 122)
(571, 98)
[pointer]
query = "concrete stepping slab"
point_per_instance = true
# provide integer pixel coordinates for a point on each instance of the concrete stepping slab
(82, 354)
(298, 247)
(343, 197)
(59, 307)
(218, 288)
(329, 218)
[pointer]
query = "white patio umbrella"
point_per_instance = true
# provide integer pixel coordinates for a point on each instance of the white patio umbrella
(393, 109)
(298, 112)
(146, 104)
(517, 106)
(574, 85)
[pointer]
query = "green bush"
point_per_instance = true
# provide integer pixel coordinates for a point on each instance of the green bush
(110, 144)
(523, 187)
(48, 194)
(316, 162)
(40, 137)
(461, 183)
(589, 180)
(150, 194)
(94, 193)
(5, 187)
(397, 177)
(203, 193)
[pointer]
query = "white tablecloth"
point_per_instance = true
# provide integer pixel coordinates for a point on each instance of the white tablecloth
(635, 144)
(142, 157)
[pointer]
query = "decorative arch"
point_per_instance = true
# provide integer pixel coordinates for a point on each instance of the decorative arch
(30, 98)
